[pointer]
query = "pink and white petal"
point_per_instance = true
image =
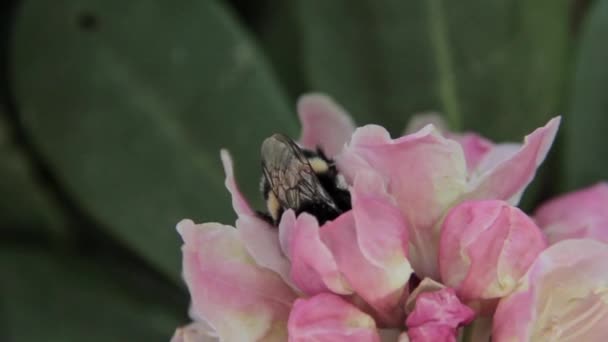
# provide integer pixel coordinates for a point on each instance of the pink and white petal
(426, 285)
(313, 267)
(262, 242)
(485, 248)
(329, 318)
(493, 157)
(324, 124)
(286, 229)
(382, 231)
(369, 245)
(579, 214)
(437, 316)
(475, 148)
(441, 307)
(239, 299)
(425, 173)
(402, 338)
(239, 203)
(506, 178)
(195, 332)
(432, 333)
(420, 120)
(562, 297)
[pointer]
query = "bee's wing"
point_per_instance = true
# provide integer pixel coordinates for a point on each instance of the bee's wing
(289, 173)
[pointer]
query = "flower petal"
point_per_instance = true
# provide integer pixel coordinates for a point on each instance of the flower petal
(475, 148)
(436, 317)
(262, 242)
(506, 177)
(485, 248)
(313, 267)
(195, 332)
(324, 124)
(576, 215)
(419, 120)
(239, 299)
(403, 337)
(370, 246)
(432, 333)
(327, 317)
(563, 296)
(239, 203)
(259, 237)
(426, 174)
(426, 285)
(286, 226)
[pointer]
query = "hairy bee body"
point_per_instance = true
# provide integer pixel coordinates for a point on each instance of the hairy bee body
(302, 180)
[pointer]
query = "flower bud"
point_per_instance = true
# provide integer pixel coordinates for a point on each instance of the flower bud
(485, 248)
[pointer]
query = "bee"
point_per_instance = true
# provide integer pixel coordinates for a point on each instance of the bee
(302, 180)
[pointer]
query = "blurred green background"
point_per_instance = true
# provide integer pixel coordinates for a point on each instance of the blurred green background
(112, 114)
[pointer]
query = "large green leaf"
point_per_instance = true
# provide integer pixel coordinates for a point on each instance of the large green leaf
(496, 67)
(130, 102)
(587, 124)
(46, 297)
(280, 39)
(25, 205)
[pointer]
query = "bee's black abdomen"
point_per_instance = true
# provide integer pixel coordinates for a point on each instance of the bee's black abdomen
(329, 181)
(320, 210)
(342, 199)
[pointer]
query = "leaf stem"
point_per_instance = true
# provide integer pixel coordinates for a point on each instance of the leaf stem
(445, 69)
(467, 333)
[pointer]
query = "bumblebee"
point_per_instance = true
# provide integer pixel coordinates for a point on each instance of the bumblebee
(302, 180)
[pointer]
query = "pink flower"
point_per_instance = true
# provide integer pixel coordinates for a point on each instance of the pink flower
(485, 248)
(579, 214)
(350, 277)
(244, 281)
(427, 173)
(562, 297)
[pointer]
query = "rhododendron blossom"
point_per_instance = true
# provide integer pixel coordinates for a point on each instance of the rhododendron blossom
(433, 241)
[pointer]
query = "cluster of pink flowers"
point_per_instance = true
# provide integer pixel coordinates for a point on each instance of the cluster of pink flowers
(434, 242)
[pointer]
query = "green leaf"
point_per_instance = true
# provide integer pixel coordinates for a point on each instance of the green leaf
(494, 67)
(280, 39)
(47, 297)
(26, 206)
(130, 103)
(587, 123)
